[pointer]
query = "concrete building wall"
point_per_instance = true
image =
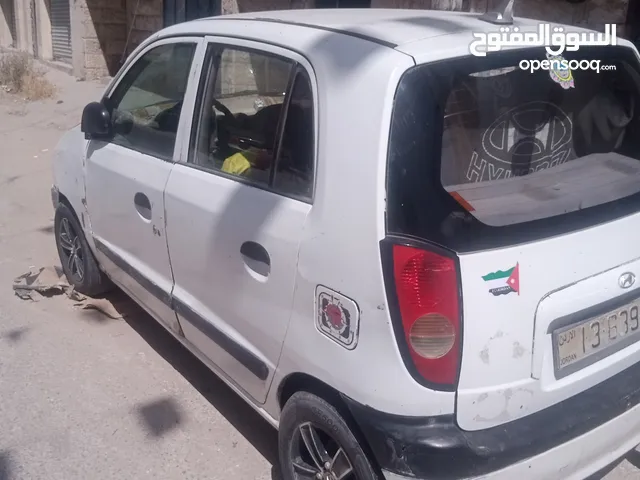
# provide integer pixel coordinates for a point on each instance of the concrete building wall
(31, 29)
(7, 25)
(44, 45)
(24, 39)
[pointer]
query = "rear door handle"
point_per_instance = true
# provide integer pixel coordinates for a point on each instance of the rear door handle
(143, 205)
(256, 258)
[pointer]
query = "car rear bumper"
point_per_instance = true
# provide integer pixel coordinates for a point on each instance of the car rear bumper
(577, 437)
(574, 460)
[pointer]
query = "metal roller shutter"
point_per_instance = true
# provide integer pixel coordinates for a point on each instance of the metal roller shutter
(61, 30)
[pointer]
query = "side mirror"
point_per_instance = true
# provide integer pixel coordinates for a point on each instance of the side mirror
(96, 121)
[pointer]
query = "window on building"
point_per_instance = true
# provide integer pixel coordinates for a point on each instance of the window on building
(145, 106)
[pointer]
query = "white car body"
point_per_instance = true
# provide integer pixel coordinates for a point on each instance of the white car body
(258, 331)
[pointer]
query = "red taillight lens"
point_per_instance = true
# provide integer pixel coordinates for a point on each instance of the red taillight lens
(427, 289)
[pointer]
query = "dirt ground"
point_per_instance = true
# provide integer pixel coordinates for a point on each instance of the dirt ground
(83, 396)
(86, 397)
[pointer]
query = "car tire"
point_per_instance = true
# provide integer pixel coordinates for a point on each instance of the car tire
(77, 260)
(315, 442)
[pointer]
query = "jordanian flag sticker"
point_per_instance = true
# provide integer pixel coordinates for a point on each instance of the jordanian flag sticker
(504, 282)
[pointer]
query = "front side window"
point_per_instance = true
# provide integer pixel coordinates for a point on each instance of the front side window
(240, 119)
(483, 153)
(145, 106)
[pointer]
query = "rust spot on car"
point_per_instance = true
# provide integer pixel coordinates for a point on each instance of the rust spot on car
(512, 402)
(484, 355)
(518, 350)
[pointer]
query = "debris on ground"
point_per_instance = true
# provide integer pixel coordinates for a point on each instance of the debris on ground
(47, 282)
(19, 74)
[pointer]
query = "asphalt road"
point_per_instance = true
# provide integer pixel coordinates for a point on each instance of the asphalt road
(85, 397)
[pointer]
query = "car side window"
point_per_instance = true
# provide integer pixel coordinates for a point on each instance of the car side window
(294, 170)
(241, 113)
(145, 106)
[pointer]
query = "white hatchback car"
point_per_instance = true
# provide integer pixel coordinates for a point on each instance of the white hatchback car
(414, 262)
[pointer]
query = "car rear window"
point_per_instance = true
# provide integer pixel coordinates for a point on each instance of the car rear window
(483, 153)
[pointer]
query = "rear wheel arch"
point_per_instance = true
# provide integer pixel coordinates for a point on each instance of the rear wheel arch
(296, 382)
(302, 382)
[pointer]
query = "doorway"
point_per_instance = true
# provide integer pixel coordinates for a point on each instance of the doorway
(343, 3)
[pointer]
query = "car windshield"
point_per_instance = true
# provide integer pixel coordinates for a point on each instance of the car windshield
(511, 146)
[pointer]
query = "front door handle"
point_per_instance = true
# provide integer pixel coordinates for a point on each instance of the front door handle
(143, 205)
(256, 258)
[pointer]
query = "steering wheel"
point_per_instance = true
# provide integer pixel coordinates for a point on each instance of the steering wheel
(219, 106)
(167, 120)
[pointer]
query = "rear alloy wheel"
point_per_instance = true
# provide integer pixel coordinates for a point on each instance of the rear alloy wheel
(78, 263)
(317, 455)
(316, 443)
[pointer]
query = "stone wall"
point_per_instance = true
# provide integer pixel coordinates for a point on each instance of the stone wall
(144, 21)
(98, 36)
(104, 32)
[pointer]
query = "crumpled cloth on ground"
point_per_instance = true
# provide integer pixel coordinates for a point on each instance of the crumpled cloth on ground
(50, 281)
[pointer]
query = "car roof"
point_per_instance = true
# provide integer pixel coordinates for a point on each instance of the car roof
(424, 35)
(391, 27)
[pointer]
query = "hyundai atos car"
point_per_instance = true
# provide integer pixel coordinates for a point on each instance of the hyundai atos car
(413, 261)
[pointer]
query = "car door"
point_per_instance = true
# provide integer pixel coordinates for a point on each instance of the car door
(236, 207)
(126, 174)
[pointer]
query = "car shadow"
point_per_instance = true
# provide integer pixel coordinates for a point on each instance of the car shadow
(633, 457)
(5, 465)
(243, 418)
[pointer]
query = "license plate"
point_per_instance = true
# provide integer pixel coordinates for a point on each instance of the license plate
(580, 344)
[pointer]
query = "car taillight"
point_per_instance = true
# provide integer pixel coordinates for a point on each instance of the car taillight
(426, 285)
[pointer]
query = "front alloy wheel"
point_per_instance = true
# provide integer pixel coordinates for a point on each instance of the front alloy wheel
(78, 263)
(72, 255)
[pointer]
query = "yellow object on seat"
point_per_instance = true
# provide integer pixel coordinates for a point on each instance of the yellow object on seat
(237, 164)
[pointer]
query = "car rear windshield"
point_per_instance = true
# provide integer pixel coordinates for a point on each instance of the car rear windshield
(484, 153)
